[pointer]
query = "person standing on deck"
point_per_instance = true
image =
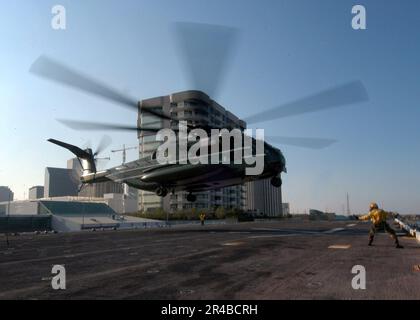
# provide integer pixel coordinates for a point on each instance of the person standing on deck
(378, 218)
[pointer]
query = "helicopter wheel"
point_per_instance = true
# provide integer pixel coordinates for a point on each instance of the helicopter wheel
(191, 197)
(276, 182)
(161, 192)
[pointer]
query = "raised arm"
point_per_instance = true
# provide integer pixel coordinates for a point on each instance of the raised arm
(365, 217)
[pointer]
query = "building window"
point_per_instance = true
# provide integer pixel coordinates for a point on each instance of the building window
(149, 138)
(151, 146)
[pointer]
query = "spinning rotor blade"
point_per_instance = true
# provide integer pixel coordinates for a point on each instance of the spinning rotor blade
(204, 50)
(88, 145)
(311, 143)
(55, 71)
(342, 95)
(101, 162)
(58, 72)
(93, 126)
(103, 144)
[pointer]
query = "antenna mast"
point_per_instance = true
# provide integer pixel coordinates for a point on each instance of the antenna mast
(348, 204)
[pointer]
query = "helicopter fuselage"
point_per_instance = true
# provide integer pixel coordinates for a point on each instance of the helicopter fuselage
(150, 175)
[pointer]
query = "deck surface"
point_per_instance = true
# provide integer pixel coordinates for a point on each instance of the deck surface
(260, 260)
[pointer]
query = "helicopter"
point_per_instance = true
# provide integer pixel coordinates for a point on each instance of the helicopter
(147, 173)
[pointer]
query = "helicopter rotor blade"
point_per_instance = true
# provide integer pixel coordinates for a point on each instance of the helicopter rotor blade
(103, 144)
(55, 71)
(87, 145)
(93, 126)
(346, 94)
(204, 50)
(310, 143)
(101, 162)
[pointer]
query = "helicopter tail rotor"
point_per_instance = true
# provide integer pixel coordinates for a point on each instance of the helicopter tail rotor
(86, 157)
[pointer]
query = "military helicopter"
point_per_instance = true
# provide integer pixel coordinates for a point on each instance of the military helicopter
(147, 173)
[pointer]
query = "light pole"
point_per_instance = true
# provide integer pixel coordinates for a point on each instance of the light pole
(8, 217)
(83, 216)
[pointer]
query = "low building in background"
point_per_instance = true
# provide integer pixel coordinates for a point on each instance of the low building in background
(98, 190)
(36, 192)
(67, 214)
(121, 203)
(320, 215)
(6, 194)
(20, 207)
(285, 209)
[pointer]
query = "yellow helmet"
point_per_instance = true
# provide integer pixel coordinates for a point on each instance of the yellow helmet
(373, 206)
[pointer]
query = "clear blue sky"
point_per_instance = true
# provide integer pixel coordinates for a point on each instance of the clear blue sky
(287, 49)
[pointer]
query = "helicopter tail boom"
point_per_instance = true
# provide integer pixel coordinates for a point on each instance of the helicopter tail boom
(86, 157)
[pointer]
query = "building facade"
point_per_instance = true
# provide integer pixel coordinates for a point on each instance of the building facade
(196, 108)
(36, 192)
(263, 199)
(98, 190)
(286, 209)
(6, 194)
(74, 164)
(60, 182)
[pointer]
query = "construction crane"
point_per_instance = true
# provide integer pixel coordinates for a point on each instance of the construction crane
(124, 152)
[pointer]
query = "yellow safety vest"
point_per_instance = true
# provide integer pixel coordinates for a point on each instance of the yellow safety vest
(376, 216)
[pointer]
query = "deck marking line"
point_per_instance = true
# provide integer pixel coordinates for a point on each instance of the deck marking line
(339, 246)
(275, 236)
(236, 243)
(334, 230)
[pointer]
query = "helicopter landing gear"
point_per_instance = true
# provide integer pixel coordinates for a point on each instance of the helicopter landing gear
(161, 192)
(191, 197)
(276, 182)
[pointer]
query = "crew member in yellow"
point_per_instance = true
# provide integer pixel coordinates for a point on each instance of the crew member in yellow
(202, 218)
(378, 218)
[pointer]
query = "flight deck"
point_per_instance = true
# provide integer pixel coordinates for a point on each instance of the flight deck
(289, 259)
